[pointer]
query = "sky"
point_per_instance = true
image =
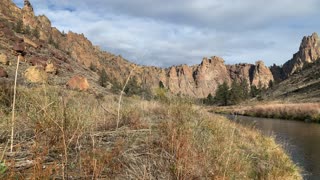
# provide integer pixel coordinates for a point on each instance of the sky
(172, 32)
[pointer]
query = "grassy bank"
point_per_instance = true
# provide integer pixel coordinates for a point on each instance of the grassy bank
(60, 134)
(302, 111)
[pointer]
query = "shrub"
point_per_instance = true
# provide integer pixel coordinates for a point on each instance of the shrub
(93, 67)
(19, 26)
(36, 32)
(6, 95)
(103, 78)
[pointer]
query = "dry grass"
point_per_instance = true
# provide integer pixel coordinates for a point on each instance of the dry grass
(301, 111)
(66, 134)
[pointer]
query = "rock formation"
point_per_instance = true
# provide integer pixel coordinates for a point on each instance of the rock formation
(277, 72)
(309, 52)
(78, 83)
(261, 75)
(73, 53)
(253, 74)
(36, 74)
(51, 68)
(4, 59)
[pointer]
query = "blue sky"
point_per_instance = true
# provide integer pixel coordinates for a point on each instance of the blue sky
(171, 32)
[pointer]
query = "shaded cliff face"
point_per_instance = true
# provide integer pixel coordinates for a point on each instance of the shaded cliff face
(277, 73)
(309, 52)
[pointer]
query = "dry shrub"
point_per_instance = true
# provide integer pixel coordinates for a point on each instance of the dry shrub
(132, 118)
(99, 161)
(6, 95)
(67, 132)
(205, 146)
(303, 111)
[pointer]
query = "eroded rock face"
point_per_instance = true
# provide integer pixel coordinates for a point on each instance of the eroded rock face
(309, 52)
(241, 72)
(261, 75)
(36, 74)
(78, 83)
(209, 74)
(82, 49)
(3, 73)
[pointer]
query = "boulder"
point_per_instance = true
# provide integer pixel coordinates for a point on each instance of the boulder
(36, 74)
(19, 47)
(3, 73)
(51, 68)
(4, 59)
(78, 83)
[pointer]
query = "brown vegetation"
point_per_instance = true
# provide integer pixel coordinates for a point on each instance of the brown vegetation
(302, 111)
(69, 134)
(295, 111)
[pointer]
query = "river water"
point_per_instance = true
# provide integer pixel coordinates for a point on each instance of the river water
(301, 140)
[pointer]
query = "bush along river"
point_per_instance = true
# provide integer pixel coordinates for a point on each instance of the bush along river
(301, 140)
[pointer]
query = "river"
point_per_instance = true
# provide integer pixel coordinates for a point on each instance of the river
(301, 140)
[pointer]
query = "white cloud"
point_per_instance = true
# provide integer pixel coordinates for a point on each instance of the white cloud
(169, 32)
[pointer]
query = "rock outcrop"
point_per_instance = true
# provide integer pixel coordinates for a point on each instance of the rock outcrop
(4, 59)
(261, 75)
(309, 52)
(209, 74)
(256, 75)
(51, 68)
(241, 72)
(78, 83)
(73, 53)
(36, 74)
(277, 72)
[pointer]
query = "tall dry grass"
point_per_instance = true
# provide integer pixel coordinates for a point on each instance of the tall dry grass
(301, 111)
(74, 135)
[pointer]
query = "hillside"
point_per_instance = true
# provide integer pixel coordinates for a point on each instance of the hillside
(69, 50)
(66, 125)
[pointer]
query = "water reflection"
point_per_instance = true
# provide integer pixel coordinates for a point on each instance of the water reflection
(300, 139)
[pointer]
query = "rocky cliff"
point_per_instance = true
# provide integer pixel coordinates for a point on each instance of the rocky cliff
(73, 54)
(309, 52)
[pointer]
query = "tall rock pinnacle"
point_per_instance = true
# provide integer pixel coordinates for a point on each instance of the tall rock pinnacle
(309, 52)
(27, 6)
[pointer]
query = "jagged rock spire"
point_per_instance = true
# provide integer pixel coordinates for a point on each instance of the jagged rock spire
(27, 5)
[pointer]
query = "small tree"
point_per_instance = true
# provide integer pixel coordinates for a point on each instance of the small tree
(132, 87)
(103, 78)
(222, 94)
(254, 91)
(93, 67)
(36, 32)
(245, 89)
(236, 93)
(271, 84)
(19, 26)
(209, 100)
(50, 41)
(27, 30)
(161, 84)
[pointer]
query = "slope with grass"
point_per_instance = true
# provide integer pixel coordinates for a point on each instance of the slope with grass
(155, 140)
